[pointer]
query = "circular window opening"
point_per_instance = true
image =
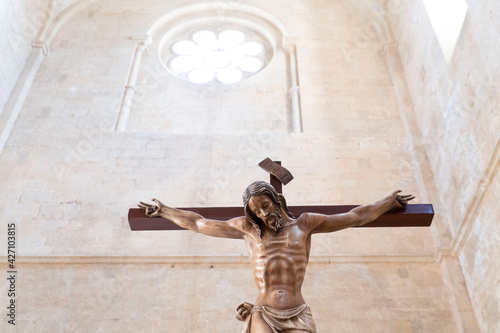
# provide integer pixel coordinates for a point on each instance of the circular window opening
(223, 55)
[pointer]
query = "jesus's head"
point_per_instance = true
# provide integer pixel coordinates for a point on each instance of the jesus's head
(263, 206)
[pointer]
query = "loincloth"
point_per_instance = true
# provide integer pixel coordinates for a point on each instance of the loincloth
(295, 320)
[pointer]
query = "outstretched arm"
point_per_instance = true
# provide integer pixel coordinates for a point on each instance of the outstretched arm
(232, 228)
(357, 216)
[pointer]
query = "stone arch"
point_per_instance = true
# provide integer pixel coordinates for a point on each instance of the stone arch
(264, 22)
(40, 48)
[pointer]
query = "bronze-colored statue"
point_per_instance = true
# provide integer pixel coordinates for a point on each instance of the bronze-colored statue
(279, 245)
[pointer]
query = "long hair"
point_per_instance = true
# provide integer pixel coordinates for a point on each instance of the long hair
(262, 188)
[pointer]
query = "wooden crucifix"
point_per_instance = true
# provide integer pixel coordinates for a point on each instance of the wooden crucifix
(415, 215)
(278, 240)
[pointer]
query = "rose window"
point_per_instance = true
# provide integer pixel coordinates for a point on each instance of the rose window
(217, 57)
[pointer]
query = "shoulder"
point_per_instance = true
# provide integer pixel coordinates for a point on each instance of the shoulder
(238, 222)
(248, 228)
(242, 224)
(309, 217)
(308, 221)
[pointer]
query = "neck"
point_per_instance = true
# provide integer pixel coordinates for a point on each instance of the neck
(286, 219)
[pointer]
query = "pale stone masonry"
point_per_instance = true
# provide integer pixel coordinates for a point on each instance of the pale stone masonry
(381, 109)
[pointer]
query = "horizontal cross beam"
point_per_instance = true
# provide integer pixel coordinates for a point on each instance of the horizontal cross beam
(418, 215)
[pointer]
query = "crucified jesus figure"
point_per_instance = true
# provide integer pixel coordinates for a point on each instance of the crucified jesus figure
(279, 245)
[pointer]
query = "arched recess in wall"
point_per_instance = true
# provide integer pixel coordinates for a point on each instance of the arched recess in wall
(51, 21)
(154, 47)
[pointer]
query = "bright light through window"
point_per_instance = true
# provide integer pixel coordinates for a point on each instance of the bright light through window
(225, 57)
(447, 17)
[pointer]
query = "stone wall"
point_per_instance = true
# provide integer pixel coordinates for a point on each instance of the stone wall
(458, 112)
(188, 297)
(68, 180)
(20, 23)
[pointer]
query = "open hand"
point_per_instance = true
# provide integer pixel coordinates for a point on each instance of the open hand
(401, 201)
(151, 210)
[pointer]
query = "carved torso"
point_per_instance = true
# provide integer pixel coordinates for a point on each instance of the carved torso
(279, 263)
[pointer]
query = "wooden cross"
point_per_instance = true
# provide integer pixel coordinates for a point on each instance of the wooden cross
(416, 215)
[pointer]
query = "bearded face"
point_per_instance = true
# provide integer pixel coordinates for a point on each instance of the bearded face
(265, 209)
(274, 221)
